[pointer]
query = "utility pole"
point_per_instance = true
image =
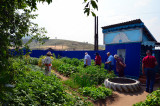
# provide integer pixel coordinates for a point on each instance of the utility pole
(96, 34)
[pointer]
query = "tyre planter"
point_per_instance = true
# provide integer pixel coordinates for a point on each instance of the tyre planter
(122, 84)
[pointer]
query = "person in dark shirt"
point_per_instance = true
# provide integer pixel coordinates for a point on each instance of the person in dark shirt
(98, 59)
(119, 66)
(148, 64)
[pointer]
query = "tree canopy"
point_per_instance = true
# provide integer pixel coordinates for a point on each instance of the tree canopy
(15, 23)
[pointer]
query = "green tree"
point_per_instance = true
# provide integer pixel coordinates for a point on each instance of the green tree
(15, 23)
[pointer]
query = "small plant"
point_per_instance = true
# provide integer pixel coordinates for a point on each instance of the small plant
(152, 99)
(91, 75)
(96, 93)
(71, 83)
(67, 69)
(56, 63)
(34, 88)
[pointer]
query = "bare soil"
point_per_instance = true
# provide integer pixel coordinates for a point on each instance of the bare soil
(54, 47)
(59, 75)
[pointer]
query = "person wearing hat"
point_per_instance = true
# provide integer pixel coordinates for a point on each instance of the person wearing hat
(119, 65)
(110, 62)
(48, 63)
(87, 59)
(98, 60)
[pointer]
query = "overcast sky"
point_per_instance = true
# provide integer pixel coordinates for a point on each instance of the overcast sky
(65, 19)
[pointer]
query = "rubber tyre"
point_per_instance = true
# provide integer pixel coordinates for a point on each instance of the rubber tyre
(129, 87)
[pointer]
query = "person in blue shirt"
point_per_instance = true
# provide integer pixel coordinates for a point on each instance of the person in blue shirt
(110, 62)
(87, 59)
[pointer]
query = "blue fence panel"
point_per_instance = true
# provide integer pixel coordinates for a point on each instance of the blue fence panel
(70, 54)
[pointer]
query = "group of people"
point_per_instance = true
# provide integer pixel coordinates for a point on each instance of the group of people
(109, 64)
(148, 64)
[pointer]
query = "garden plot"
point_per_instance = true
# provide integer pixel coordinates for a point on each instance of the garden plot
(82, 86)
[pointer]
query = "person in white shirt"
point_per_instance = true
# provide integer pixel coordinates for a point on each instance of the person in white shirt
(87, 59)
(48, 63)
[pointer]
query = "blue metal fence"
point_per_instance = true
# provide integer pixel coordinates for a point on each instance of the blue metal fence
(132, 56)
(70, 54)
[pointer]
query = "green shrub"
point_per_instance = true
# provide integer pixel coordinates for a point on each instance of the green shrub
(75, 62)
(71, 83)
(56, 63)
(91, 75)
(34, 88)
(67, 69)
(96, 93)
(152, 99)
(33, 60)
(66, 60)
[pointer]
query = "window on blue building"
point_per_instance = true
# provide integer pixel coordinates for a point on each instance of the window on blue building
(122, 53)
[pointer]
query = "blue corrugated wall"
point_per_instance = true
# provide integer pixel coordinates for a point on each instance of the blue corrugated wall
(132, 61)
(70, 54)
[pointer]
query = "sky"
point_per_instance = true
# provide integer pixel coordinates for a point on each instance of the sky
(65, 19)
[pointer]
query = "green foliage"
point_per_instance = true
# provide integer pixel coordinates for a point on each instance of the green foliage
(33, 61)
(16, 16)
(30, 60)
(96, 93)
(91, 75)
(56, 63)
(53, 55)
(73, 61)
(71, 84)
(34, 88)
(67, 69)
(152, 99)
(90, 5)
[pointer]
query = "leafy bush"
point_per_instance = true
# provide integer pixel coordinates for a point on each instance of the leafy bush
(33, 60)
(67, 69)
(96, 93)
(152, 99)
(73, 61)
(71, 84)
(34, 88)
(56, 63)
(66, 60)
(91, 75)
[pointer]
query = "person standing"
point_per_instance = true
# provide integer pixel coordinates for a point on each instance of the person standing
(110, 62)
(148, 64)
(48, 64)
(98, 60)
(87, 59)
(119, 65)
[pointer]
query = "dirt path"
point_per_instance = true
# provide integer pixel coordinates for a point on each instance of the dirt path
(126, 99)
(59, 75)
(123, 99)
